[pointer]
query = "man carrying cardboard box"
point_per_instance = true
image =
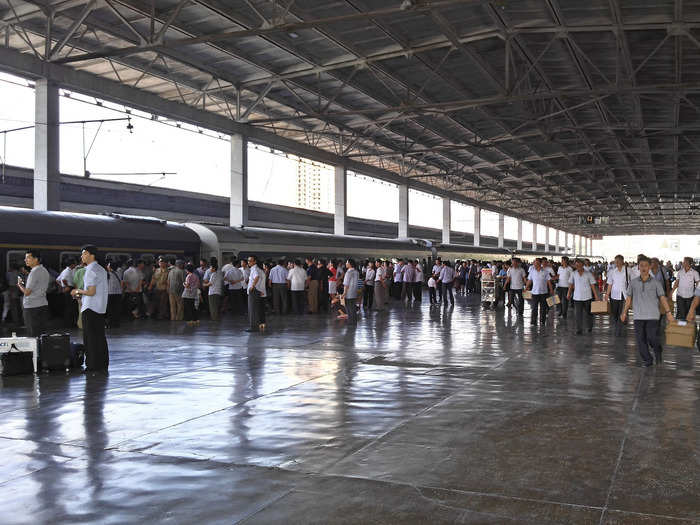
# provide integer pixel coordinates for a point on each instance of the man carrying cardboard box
(618, 281)
(583, 288)
(693, 306)
(687, 281)
(644, 294)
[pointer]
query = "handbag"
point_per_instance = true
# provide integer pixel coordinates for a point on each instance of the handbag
(15, 363)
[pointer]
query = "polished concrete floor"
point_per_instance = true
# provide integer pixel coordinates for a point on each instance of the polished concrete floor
(419, 415)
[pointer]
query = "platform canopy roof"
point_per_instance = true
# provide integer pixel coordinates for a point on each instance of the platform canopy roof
(550, 110)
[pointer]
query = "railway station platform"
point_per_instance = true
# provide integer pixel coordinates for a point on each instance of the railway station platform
(418, 415)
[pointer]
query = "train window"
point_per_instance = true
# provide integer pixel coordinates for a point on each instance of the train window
(64, 257)
(147, 258)
(15, 258)
(118, 257)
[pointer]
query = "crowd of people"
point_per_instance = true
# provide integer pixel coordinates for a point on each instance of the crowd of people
(93, 296)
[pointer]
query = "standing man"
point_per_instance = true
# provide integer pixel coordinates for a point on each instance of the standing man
(408, 278)
(368, 289)
(278, 278)
(447, 276)
(94, 306)
(564, 276)
(65, 285)
(418, 282)
(538, 281)
(515, 282)
(133, 283)
(350, 291)
(312, 283)
(644, 295)
(618, 281)
(437, 268)
(159, 281)
(36, 307)
(236, 288)
(380, 286)
(256, 296)
(176, 280)
(686, 282)
(583, 288)
(296, 277)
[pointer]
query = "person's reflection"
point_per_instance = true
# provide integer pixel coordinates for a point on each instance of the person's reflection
(248, 384)
(96, 440)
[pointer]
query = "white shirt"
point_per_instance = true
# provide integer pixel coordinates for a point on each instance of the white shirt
(432, 283)
(246, 275)
(95, 276)
(234, 274)
(619, 279)
(114, 284)
(436, 269)
(226, 267)
(369, 276)
(278, 275)
(687, 281)
(133, 278)
(255, 271)
(38, 282)
(582, 286)
(447, 274)
(419, 274)
(216, 282)
(517, 278)
(379, 274)
(564, 276)
(539, 280)
(297, 279)
(398, 275)
(65, 275)
(634, 272)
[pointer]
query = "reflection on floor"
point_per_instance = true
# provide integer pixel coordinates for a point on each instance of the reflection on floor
(419, 415)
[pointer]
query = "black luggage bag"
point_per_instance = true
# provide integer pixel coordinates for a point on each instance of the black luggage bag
(54, 352)
(15, 362)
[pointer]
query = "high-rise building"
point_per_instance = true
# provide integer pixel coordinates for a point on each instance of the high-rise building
(314, 191)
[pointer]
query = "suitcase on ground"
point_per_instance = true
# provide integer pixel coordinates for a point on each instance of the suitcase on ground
(21, 344)
(16, 362)
(54, 351)
(77, 358)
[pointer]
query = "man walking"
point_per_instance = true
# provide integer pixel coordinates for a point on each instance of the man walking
(256, 295)
(538, 281)
(618, 281)
(564, 276)
(583, 288)
(686, 282)
(350, 291)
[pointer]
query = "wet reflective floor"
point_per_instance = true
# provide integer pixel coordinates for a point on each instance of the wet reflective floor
(419, 415)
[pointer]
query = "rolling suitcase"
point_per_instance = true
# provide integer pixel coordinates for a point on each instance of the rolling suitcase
(54, 351)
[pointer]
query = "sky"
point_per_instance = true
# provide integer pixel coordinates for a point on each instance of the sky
(162, 153)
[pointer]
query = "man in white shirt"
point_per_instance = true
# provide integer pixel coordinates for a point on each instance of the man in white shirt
(447, 276)
(564, 274)
(418, 282)
(539, 282)
(133, 283)
(687, 281)
(297, 283)
(618, 281)
(278, 278)
(256, 295)
(350, 291)
(368, 289)
(34, 302)
(515, 282)
(65, 285)
(235, 279)
(380, 285)
(93, 310)
(582, 289)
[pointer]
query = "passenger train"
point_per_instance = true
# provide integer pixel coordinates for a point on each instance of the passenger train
(59, 236)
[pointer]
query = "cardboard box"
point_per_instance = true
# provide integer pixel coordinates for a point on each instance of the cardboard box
(681, 333)
(527, 294)
(600, 307)
(552, 300)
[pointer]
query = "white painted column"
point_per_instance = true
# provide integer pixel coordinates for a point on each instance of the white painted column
(403, 211)
(238, 209)
(556, 241)
(534, 237)
(340, 218)
(446, 220)
(47, 178)
(477, 226)
(546, 239)
(501, 229)
(520, 234)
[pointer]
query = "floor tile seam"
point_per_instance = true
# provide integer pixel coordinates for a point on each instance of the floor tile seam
(628, 426)
(263, 506)
(411, 417)
(27, 474)
(227, 407)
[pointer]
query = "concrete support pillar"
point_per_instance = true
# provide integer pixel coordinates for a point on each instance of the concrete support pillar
(477, 226)
(446, 220)
(556, 241)
(520, 234)
(403, 211)
(238, 208)
(501, 229)
(534, 237)
(47, 178)
(546, 239)
(341, 201)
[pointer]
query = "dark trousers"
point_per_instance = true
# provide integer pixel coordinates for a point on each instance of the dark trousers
(447, 291)
(368, 300)
(433, 293)
(298, 301)
(646, 334)
(36, 320)
(682, 307)
(96, 351)
(134, 303)
(351, 310)
(439, 291)
(114, 310)
(237, 300)
(279, 298)
(563, 306)
(406, 291)
(516, 296)
(256, 309)
(616, 306)
(418, 291)
(582, 311)
(539, 302)
(69, 311)
(190, 310)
